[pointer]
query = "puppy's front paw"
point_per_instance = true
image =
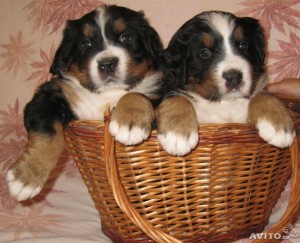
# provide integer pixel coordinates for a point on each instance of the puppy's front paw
(177, 125)
(272, 119)
(177, 144)
(19, 188)
(279, 137)
(131, 120)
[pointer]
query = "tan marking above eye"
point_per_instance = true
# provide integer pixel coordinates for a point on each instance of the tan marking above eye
(119, 25)
(238, 34)
(88, 30)
(81, 75)
(208, 40)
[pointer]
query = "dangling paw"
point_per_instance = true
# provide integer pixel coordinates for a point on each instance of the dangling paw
(21, 189)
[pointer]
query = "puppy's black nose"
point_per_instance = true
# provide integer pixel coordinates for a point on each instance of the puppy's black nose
(233, 78)
(108, 65)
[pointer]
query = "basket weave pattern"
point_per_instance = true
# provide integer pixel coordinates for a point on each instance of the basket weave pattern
(224, 190)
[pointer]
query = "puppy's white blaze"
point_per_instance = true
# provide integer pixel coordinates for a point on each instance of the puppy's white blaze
(18, 190)
(226, 111)
(222, 24)
(176, 144)
(110, 52)
(148, 85)
(279, 138)
(101, 20)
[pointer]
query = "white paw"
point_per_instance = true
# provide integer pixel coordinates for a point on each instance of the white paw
(178, 145)
(126, 135)
(277, 137)
(18, 189)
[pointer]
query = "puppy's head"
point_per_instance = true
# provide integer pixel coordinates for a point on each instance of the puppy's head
(110, 47)
(218, 56)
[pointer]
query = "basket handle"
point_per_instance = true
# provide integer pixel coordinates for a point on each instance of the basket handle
(157, 234)
(294, 202)
(120, 195)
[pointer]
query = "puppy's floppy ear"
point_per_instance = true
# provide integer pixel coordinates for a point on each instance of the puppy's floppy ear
(63, 57)
(150, 37)
(174, 59)
(152, 42)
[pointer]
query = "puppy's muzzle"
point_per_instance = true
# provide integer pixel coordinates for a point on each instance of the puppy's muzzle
(108, 66)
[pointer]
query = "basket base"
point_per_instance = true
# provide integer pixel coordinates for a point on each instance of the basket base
(210, 238)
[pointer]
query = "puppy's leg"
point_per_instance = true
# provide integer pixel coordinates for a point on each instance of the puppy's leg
(177, 125)
(28, 175)
(44, 117)
(272, 120)
(131, 119)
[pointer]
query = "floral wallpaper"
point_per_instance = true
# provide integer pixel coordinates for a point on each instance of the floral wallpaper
(30, 33)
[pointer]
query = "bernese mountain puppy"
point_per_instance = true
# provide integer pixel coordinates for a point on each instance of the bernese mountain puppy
(109, 56)
(215, 74)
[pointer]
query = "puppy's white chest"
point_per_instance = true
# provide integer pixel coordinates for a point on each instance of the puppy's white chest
(91, 106)
(225, 111)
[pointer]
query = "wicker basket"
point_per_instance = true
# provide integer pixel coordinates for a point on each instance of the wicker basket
(223, 191)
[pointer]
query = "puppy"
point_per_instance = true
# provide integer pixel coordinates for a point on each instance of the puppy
(107, 56)
(216, 72)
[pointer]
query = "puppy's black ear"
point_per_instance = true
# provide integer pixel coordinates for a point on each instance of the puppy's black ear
(62, 57)
(174, 60)
(149, 37)
(152, 42)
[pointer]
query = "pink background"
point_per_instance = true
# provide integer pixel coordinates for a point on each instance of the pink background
(30, 33)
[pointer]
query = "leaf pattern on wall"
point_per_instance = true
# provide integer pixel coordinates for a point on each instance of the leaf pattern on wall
(42, 67)
(50, 15)
(272, 13)
(16, 53)
(287, 59)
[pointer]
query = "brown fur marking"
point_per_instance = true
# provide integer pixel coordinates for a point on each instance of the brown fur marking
(208, 40)
(88, 30)
(207, 88)
(239, 34)
(138, 70)
(68, 91)
(119, 25)
(81, 75)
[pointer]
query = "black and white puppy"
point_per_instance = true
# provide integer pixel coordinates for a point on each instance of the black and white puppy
(109, 55)
(216, 70)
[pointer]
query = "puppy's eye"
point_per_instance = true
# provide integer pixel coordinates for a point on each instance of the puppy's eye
(244, 45)
(125, 38)
(205, 53)
(86, 43)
